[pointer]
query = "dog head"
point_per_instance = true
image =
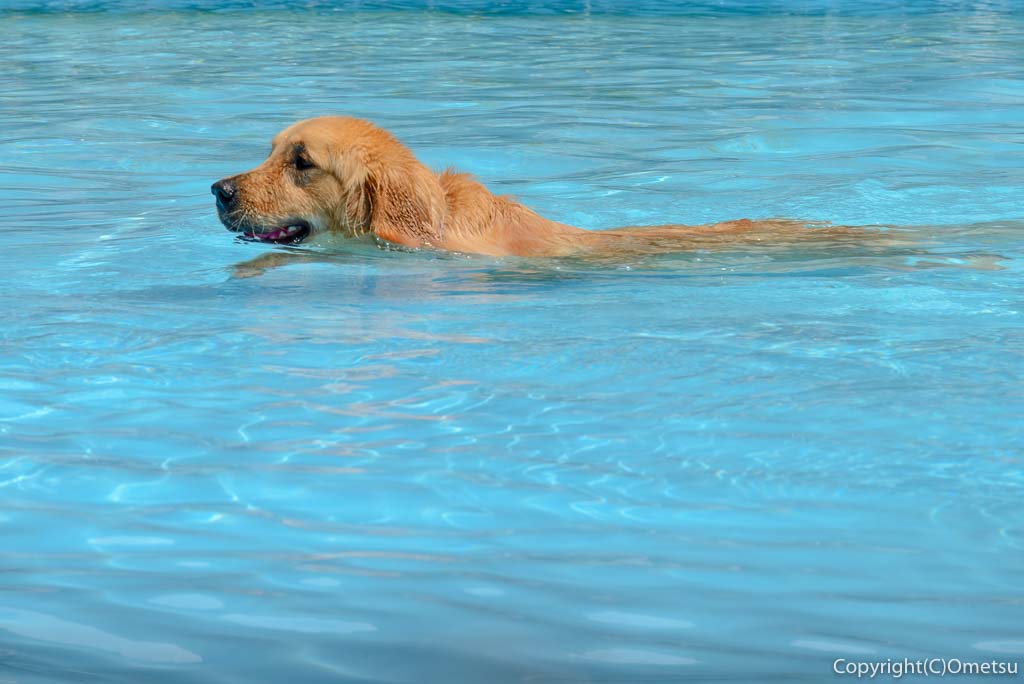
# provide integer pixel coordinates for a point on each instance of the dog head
(335, 173)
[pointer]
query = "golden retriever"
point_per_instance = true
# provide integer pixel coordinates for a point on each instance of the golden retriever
(347, 175)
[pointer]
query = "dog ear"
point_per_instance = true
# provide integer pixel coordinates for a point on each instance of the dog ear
(407, 204)
(353, 210)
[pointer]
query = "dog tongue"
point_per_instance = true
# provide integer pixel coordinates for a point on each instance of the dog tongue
(277, 233)
(274, 234)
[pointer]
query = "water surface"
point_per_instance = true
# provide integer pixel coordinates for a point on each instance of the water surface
(392, 467)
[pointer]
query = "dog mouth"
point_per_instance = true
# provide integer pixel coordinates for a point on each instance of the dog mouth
(290, 234)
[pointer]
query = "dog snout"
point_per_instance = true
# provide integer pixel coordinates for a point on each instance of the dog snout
(226, 193)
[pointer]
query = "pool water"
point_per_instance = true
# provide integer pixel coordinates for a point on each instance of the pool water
(370, 466)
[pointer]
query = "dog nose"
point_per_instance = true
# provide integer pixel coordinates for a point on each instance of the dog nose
(225, 191)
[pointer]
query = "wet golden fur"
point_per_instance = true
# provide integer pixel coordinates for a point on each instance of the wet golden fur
(347, 175)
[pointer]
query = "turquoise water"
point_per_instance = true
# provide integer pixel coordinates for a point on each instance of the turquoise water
(368, 466)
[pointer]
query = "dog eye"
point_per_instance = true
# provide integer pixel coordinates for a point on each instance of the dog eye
(303, 164)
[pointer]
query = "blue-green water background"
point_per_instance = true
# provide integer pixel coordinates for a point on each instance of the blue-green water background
(386, 467)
